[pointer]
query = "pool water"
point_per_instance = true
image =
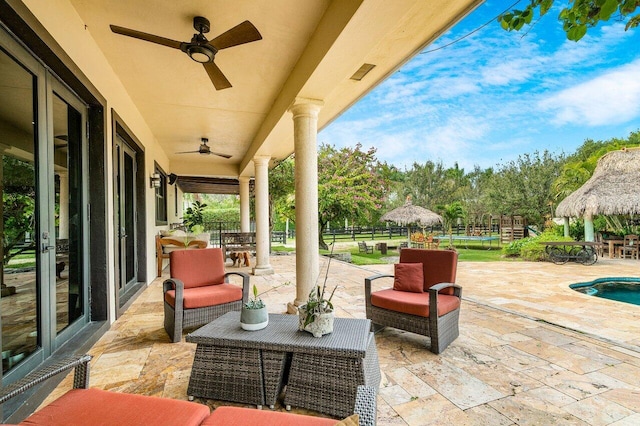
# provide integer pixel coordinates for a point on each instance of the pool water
(621, 289)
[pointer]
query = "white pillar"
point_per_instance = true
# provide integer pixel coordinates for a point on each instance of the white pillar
(245, 223)
(262, 216)
(63, 220)
(566, 226)
(588, 228)
(305, 133)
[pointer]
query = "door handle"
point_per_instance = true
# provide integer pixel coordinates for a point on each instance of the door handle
(46, 248)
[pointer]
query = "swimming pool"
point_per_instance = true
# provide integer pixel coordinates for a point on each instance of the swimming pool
(622, 289)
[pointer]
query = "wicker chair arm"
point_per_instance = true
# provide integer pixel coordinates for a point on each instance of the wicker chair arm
(177, 285)
(245, 283)
(433, 296)
(366, 406)
(367, 283)
(457, 290)
(80, 378)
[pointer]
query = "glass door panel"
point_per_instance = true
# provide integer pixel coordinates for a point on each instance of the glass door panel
(67, 159)
(20, 260)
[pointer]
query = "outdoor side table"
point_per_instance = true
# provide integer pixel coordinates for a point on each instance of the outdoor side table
(253, 366)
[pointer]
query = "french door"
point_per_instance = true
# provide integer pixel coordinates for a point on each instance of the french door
(44, 211)
(125, 169)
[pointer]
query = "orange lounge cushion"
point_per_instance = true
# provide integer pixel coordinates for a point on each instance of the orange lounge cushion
(408, 277)
(248, 416)
(95, 407)
(197, 268)
(413, 303)
(200, 297)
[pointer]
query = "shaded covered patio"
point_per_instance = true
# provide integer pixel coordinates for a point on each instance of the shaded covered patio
(531, 350)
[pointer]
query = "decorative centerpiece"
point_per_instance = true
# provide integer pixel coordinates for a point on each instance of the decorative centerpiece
(254, 315)
(316, 316)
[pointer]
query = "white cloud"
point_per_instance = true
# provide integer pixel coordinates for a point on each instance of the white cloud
(611, 98)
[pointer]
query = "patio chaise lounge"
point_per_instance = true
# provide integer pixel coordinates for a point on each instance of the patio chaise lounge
(89, 407)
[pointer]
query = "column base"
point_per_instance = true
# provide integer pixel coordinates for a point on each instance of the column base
(263, 270)
(292, 308)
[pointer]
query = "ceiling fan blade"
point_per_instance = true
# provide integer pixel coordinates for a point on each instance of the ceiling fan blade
(145, 36)
(219, 154)
(217, 78)
(187, 152)
(242, 33)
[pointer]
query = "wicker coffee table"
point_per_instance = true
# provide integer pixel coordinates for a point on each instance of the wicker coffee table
(252, 367)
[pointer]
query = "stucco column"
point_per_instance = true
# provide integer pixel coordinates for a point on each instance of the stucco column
(245, 223)
(63, 223)
(566, 226)
(588, 228)
(262, 216)
(305, 133)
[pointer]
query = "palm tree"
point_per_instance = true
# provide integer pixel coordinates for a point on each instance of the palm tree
(450, 213)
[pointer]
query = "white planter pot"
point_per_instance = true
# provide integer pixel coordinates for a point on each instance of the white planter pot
(323, 324)
(254, 319)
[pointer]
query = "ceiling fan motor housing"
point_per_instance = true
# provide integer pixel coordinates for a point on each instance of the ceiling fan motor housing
(201, 24)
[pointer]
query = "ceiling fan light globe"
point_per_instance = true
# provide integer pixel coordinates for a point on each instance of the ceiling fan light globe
(200, 54)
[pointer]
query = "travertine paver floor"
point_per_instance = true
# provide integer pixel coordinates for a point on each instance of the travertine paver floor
(531, 351)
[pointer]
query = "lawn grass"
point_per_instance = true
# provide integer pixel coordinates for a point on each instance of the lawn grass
(468, 253)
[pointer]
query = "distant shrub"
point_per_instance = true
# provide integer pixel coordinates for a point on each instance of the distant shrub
(533, 248)
(514, 247)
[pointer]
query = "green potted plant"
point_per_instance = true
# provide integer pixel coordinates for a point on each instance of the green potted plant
(316, 316)
(254, 315)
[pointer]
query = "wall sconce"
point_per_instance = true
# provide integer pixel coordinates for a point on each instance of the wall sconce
(155, 180)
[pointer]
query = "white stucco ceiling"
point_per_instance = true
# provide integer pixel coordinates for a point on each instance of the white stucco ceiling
(309, 49)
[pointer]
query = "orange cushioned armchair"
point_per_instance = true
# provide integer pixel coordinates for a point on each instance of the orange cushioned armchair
(199, 290)
(424, 298)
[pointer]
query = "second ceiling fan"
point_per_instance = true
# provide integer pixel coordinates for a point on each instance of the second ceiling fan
(199, 48)
(205, 149)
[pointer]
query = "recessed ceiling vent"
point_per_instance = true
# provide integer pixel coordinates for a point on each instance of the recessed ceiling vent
(362, 71)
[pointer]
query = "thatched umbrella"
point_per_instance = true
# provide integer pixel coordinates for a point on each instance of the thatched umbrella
(613, 189)
(409, 214)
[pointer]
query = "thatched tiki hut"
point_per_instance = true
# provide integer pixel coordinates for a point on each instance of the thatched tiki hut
(612, 190)
(408, 214)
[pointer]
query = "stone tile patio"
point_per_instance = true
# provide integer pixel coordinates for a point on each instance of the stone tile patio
(531, 350)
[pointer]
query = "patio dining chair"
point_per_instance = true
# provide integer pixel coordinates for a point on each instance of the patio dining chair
(424, 298)
(199, 290)
(629, 247)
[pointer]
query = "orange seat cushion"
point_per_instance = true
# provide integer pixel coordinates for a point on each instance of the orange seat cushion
(94, 407)
(197, 268)
(408, 277)
(413, 303)
(248, 416)
(200, 297)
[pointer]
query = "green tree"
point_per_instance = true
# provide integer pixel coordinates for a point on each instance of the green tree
(523, 187)
(577, 17)
(451, 213)
(349, 186)
(281, 190)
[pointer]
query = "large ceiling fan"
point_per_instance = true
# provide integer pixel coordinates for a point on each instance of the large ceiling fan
(199, 48)
(205, 149)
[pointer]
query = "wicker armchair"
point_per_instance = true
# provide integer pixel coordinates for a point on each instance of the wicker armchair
(434, 312)
(199, 290)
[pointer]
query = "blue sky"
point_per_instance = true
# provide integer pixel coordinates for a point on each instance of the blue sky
(495, 95)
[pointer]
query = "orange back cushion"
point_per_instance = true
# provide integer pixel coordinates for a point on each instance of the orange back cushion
(439, 266)
(197, 268)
